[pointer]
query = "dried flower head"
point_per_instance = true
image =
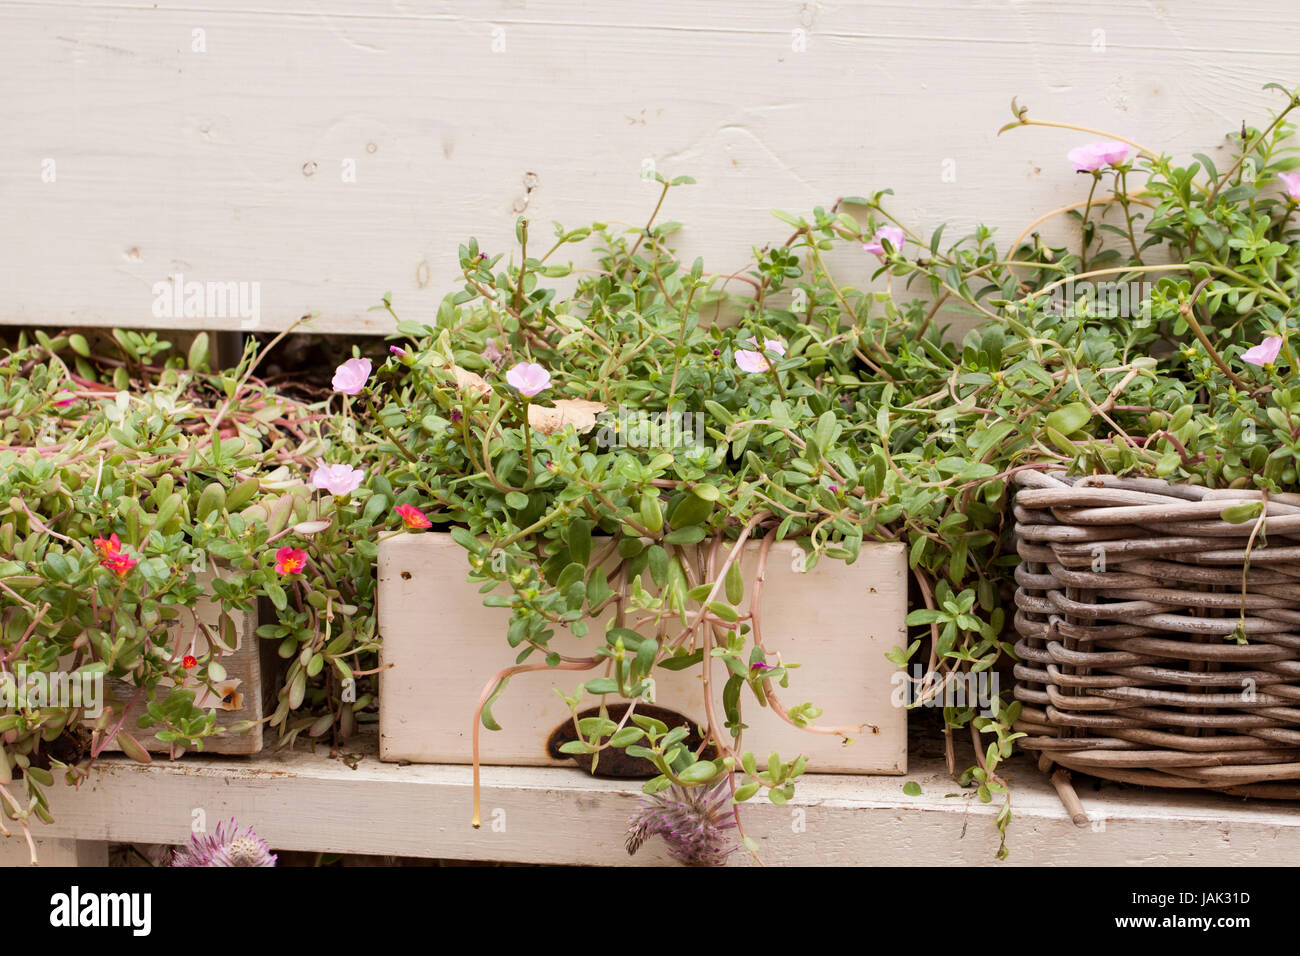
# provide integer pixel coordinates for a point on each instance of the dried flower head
(692, 820)
(226, 847)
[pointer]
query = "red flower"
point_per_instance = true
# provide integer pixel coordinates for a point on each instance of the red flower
(119, 563)
(108, 547)
(190, 662)
(413, 517)
(290, 560)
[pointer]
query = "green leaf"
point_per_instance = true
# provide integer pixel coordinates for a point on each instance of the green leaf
(626, 736)
(699, 772)
(683, 661)
(1242, 512)
(724, 611)
(692, 535)
(1068, 419)
(486, 717)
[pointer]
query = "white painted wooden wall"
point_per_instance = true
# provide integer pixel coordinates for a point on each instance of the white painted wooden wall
(185, 136)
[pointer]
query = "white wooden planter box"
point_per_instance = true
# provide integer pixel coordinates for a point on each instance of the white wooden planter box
(245, 694)
(441, 646)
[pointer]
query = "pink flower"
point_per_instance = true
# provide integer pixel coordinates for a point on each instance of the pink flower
(1292, 183)
(491, 352)
(396, 350)
(755, 361)
(892, 233)
(413, 517)
(226, 847)
(290, 560)
(108, 546)
(1265, 352)
(336, 479)
(350, 377)
(529, 378)
(1090, 158)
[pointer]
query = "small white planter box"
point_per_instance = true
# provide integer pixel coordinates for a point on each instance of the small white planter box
(247, 693)
(441, 646)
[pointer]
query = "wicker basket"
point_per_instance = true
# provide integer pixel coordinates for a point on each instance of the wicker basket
(1129, 608)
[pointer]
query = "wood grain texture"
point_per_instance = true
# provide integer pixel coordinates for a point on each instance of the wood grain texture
(441, 646)
(227, 165)
(307, 801)
(65, 852)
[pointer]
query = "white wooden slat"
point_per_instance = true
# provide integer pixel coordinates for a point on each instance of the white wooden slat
(67, 852)
(168, 160)
(306, 801)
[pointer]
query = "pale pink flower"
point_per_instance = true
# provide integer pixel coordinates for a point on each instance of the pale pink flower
(755, 361)
(1265, 352)
(1292, 183)
(529, 378)
(1092, 157)
(491, 352)
(350, 377)
(877, 248)
(336, 479)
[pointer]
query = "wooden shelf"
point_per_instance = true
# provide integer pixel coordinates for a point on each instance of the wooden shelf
(308, 801)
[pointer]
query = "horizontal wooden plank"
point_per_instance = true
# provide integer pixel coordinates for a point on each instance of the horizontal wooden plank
(146, 141)
(308, 801)
(15, 852)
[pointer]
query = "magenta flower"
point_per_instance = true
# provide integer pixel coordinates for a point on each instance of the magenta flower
(1092, 157)
(290, 560)
(1292, 183)
(396, 350)
(1265, 353)
(877, 248)
(754, 361)
(413, 517)
(226, 847)
(338, 480)
(529, 378)
(350, 377)
(491, 352)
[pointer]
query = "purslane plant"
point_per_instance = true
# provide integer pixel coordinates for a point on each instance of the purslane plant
(531, 424)
(852, 419)
(129, 492)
